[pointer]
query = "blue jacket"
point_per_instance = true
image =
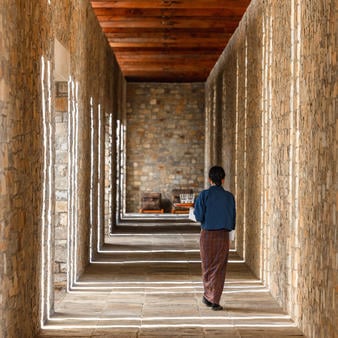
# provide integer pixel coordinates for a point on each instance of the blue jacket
(215, 209)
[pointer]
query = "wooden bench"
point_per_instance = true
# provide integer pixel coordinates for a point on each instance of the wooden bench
(151, 203)
(150, 211)
(178, 207)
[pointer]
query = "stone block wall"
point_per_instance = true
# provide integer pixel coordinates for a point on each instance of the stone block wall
(33, 213)
(279, 120)
(61, 191)
(21, 176)
(165, 140)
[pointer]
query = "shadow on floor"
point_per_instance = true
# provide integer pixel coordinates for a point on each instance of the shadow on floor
(146, 282)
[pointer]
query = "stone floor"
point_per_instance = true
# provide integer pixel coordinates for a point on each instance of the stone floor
(147, 283)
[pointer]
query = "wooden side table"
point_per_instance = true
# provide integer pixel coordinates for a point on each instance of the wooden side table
(150, 211)
(181, 208)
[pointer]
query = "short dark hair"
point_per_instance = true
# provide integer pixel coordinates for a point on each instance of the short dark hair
(216, 175)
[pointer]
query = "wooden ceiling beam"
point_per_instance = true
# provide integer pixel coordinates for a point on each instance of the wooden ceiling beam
(168, 40)
(179, 58)
(165, 68)
(169, 43)
(160, 50)
(169, 20)
(134, 31)
(169, 72)
(167, 36)
(169, 12)
(174, 78)
(183, 62)
(178, 22)
(160, 76)
(242, 4)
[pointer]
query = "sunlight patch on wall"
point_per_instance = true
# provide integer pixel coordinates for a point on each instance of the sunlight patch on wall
(92, 179)
(47, 220)
(295, 65)
(99, 179)
(73, 137)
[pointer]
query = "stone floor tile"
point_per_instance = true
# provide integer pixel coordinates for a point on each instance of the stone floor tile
(266, 332)
(74, 333)
(169, 310)
(178, 297)
(114, 335)
(171, 332)
(221, 333)
(113, 309)
(116, 332)
(151, 286)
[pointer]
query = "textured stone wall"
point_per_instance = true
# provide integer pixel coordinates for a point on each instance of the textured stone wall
(279, 124)
(30, 145)
(20, 172)
(61, 191)
(165, 140)
(316, 252)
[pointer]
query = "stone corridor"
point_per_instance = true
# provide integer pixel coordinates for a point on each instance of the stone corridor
(146, 282)
(81, 143)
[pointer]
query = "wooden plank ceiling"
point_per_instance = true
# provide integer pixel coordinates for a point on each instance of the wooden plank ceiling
(168, 40)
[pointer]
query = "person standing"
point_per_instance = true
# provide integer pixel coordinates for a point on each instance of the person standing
(215, 209)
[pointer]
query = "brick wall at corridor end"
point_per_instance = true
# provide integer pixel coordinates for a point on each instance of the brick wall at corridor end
(165, 140)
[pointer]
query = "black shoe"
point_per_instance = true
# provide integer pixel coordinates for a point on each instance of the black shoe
(206, 302)
(216, 307)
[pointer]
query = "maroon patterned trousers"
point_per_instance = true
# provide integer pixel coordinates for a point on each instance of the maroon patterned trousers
(214, 250)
